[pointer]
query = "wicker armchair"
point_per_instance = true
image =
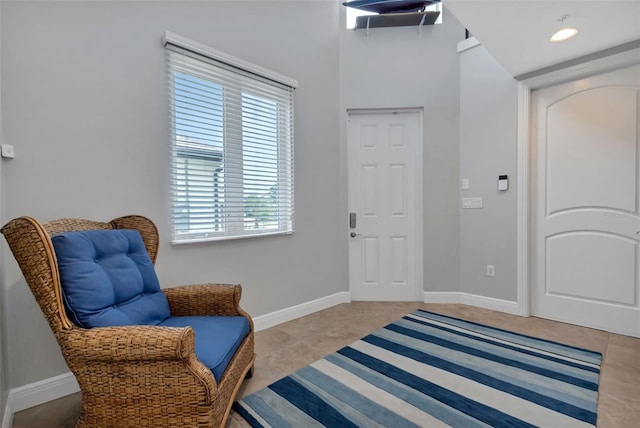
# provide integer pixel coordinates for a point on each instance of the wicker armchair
(134, 376)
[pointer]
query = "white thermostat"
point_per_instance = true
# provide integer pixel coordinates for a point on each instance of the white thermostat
(503, 182)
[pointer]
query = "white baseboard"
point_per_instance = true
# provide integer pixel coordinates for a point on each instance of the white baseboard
(7, 419)
(472, 300)
(263, 322)
(37, 393)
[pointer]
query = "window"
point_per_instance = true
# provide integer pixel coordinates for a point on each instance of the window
(353, 13)
(231, 145)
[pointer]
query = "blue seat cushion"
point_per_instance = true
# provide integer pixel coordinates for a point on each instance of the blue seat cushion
(108, 279)
(217, 338)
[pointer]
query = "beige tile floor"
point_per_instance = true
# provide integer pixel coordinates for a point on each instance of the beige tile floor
(290, 346)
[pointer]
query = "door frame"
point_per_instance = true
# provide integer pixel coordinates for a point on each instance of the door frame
(419, 192)
(601, 62)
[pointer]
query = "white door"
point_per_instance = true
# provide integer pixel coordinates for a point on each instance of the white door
(586, 202)
(385, 173)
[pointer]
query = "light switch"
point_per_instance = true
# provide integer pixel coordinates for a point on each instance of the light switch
(465, 184)
(471, 203)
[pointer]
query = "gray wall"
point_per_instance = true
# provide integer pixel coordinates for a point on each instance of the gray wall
(85, 106)
(395, 68)
(4, 390)
(488, 108)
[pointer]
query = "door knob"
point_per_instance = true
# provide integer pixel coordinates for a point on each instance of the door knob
(353, 234)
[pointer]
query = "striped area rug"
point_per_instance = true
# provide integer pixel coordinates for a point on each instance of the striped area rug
(430, 370)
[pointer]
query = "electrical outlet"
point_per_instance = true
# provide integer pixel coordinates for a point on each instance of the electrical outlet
(491, 270)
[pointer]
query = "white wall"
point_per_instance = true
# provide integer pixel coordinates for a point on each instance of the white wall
(488, 107)
(398, 67)
(85, 106)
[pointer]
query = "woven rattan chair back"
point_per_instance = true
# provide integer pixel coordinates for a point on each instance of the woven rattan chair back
(31, 245)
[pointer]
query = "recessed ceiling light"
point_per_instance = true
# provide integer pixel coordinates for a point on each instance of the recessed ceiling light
(563, 34)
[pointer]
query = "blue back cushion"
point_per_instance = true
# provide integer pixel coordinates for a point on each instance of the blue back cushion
(108, 279)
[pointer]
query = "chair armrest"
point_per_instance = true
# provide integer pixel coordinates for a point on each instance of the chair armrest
(110, 350)
(206, 299)
(131, 343)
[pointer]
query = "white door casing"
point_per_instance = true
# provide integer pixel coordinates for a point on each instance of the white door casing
(384, 188)
(585, 190)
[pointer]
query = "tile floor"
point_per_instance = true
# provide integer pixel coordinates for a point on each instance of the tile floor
(290, 346)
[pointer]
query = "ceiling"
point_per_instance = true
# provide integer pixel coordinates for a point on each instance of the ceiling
(516, 32)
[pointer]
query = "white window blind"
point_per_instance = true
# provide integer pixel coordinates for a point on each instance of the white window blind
(231, 146)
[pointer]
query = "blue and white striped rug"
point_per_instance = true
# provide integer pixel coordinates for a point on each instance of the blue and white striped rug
(430, 370)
